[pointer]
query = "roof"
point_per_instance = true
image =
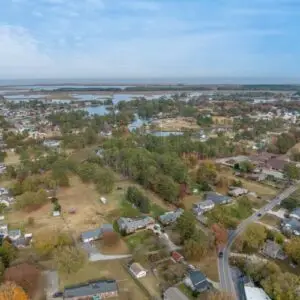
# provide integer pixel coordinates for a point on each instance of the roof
(255, 293)
(91, 288)
(292, 223)
(14, 233)
(198, 279)
(176, 256)
(134, 223)
(277, 164)
(296, 212)
(136, 268)
(97, 232)
(271, 248)
(216, 197)
(171, 216)
(174, 293)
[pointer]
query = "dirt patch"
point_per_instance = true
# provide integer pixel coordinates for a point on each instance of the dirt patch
(174, 124)
(219, 120)
(209, 266)
(271, 220)
(12, 158)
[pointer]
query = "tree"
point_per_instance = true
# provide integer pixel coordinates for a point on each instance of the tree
(3, 155)
(254, 237)
(221, 234)
(47, 241)
(104, 180)
(207, 172)
(186, 225)
(135, 196)
(194, 250)
(69, 259)
(110, 239)
(7, 253)
(24, 275)
(291, 171)
(282, 286)
(10, 291)
(32, 200)
(293, 249)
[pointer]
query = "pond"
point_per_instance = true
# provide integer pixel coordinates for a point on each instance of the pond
(97, 110)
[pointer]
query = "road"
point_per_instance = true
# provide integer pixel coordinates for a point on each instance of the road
(226, 282)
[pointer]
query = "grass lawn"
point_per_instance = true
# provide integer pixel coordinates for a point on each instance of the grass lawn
(105, 270)
(189, 200)
(270, 220)
(156, 210)
(209, 266)
(141, 238)
(151, 284)
(185, 290)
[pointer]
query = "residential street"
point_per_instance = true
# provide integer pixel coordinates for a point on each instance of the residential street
(225, 275)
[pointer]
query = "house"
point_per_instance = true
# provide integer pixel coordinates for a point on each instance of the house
(291, 226)
(236, 192)
(203, 206)
(273, 250)
(137, 270)
(174, 293)
(23, 241)
(96, 234)
(196, 281)
(255, 293)
(295, 214)
(14, 234)
(217, 198)
(170, 216)
(276, 164)
(4, 229)
(130, 225)
(100, 289)
(51, 143)
(177, 257)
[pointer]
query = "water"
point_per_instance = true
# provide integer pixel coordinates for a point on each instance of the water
(166, 133)
(61, 101)
(97, 110)
(88, 97)
(136, 124)
(125, 97)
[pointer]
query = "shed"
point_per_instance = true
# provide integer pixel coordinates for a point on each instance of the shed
(137, 270)
(177, 257)
(56, 213)
(103, 200)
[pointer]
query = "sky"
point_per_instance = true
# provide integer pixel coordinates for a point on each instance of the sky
(149, 39)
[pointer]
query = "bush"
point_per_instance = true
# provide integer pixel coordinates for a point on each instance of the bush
(135, 196)
(31, 200)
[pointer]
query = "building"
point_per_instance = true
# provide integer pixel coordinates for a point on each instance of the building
(196, 281)
(177, 257)
(170, 216)
(174, 293)
(130, 225)
(23, 241)
(276, 164)
(137, 270)
(100, 289)
(4, 229)
(236, 192)
(292, 226)
(51, 143)
(203, 206)
(255, 293)
(96, 234)
(217, 198)
(273, 250)
(295, 214)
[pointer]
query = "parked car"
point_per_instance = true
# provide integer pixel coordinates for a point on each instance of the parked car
(220, 254)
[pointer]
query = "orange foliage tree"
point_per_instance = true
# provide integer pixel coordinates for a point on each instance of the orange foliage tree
(11, 291)
(221, 234)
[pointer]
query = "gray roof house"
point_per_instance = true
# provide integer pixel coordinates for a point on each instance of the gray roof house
(217, 198)
(14, 234)
(99, 289)
(96, 233)
(203, 206)
(295, 214)
(273, 250)
(197, 281)
(170, 216)
(173, 293)
(130, 225)
(292, 226)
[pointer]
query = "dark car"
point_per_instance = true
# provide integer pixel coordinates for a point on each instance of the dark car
(220, 254)
(259, 215)
(58, 295)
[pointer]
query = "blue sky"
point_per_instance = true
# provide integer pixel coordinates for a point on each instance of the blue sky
(155, 38)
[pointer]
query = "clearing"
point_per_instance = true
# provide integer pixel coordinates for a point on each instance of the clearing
(12, 158)
(271, 220)
(106, 269)
(219, 120)
(175, 124)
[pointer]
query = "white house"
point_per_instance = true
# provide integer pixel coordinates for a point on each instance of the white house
(137, 270)
(203, 206)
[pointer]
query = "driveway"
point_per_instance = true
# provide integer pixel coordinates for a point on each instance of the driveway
(95, 255)
(52, 286)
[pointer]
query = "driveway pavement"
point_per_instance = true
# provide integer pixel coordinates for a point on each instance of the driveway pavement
(52, 286)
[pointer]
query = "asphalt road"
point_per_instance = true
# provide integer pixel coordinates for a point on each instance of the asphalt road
(226, 282)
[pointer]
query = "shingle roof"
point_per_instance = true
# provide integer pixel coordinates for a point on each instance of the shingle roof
(271, 248)
(97, 232)
(91, 288)
(198, 279)
(296, 211)
(136, 268)
(216, 198)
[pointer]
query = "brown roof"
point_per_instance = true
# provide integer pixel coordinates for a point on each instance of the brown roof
(277, 164)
